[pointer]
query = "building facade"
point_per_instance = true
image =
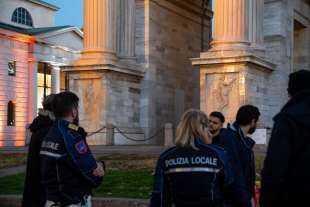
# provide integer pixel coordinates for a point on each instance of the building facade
(144, 62)
(252, 55)
(139, 72)
(32, 49)
(156, 59)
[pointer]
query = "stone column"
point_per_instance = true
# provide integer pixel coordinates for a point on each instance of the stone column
(126, 29)
(231, 23)
(99, 32)
(256, 19)
(55, 79)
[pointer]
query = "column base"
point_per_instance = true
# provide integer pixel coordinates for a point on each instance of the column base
(229, 79)
(89, 58)
(229, 45)
(109, 95)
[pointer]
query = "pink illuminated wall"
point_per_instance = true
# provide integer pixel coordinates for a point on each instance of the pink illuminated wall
(14, 47)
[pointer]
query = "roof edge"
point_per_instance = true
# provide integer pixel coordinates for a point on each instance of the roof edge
(43, 3)
(60, 31)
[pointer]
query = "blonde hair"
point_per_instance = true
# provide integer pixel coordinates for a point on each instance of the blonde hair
(192, 126)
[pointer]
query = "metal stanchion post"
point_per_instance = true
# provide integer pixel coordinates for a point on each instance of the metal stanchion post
(169, 135)
(110, 135)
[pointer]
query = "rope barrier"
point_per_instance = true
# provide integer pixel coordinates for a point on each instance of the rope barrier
(125, 134)
(139, 140)
(96, 132)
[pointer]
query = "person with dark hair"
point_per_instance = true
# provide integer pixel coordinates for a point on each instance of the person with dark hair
(34, 195)
(216, 122)
(69, 170)
(286, 171)
(194, 173)
(66, 104)
(239, 146)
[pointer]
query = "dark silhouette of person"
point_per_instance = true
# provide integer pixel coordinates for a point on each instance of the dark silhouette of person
(33, 195)
(286, 171)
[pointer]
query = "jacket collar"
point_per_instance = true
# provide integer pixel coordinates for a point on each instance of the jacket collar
(247, 141)
(236, 128)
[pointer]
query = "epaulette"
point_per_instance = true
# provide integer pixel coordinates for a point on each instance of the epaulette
(73, 127)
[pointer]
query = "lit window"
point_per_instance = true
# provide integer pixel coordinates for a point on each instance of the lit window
(11, 113)
(44, 81)
(22, 16)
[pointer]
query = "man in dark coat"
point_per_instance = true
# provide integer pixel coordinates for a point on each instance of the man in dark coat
(286, 172)
(34, 195)
(240, 151)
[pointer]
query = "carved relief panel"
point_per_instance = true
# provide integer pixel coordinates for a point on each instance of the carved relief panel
(222, 93)
(91, 105)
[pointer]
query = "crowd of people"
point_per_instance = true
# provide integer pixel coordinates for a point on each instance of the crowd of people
(209, 166)
(215, 166)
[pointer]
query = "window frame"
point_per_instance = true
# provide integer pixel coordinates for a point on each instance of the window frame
(22, 16)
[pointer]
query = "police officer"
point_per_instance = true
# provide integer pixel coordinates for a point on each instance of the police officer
(68, 168)
(194, 173)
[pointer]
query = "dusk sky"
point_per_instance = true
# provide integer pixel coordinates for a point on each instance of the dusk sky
(70, 13)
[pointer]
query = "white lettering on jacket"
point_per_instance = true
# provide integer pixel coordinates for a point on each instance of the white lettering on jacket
(199, 160)
(177, 161)
(50, 145)
(204, 160)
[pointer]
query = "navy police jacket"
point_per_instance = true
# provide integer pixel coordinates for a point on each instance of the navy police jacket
(188, 177)
(67, 164)
(240, 151)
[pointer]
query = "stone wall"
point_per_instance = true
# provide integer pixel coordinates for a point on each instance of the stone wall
(301, 44)
(167, 36)
(279, 43)
(257, 87)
